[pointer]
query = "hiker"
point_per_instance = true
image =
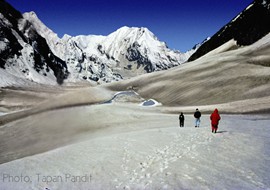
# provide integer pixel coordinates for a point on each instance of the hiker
(197, 116)
(181, 119)
(215, 117)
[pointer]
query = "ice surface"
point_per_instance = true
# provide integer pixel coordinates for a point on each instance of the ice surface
(2, 113)
(150, 102)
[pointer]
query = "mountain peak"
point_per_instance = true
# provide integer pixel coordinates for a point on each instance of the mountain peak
(32, 16)
(134, 34)
(24, 52)
(41, 28)
(126, 29)
(32, 13)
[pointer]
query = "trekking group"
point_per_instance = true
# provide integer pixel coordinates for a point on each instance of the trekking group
(214, 117)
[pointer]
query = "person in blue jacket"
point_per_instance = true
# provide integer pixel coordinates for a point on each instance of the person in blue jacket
(197, 116)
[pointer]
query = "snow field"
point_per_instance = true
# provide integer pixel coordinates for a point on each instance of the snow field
(153, 152)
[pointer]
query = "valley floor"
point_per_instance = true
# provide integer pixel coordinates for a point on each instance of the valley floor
(126, 146)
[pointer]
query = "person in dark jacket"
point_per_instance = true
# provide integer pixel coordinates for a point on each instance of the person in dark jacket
(215, 117)
(197, 116)
(181, 119)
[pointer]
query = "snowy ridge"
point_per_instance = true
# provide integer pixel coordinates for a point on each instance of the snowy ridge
(246, 28)
(25, 55)
(127, 52)
(44, 31)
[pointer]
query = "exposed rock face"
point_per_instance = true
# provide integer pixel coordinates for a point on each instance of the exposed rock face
(246, 28)
(24, 52)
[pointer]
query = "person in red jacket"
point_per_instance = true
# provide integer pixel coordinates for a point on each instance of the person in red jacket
(215, 117)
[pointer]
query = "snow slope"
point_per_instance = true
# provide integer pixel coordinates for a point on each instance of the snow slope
(7, 79)
(142, 149)
(246, 28)
(224, 75)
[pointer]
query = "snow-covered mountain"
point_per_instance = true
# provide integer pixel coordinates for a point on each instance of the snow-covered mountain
(30, 51)
(24, 54)
(246, 28)
(124, 53)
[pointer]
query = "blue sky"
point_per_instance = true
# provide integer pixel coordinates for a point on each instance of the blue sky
(179, 23)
